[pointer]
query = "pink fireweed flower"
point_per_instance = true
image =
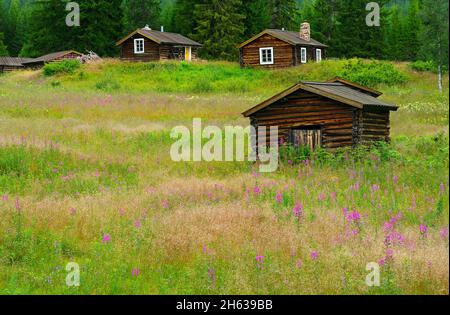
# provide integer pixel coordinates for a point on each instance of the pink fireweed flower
(356, 186)
(279, 197)
(5, 197)
(122, 211)
(382, 261)
(444, 233)
(375, 187)
(212, 276)
(393, 238)
(321, 197)
(389, 253)
(353, 216)
(333, 195)
(260, 261)
(135, 272)
(256, 191)
(442, 188)
(423, 231)
(395, 179)
(298, 211)
(314, 255)
(106, 238)
(298, 264)
(137, 224)
(73, 211)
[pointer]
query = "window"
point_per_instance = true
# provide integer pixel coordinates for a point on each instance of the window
(139, 46)
(303, 56)
(266, 56)
(318, 55)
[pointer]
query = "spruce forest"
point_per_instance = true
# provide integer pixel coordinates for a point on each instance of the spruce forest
(31, 28)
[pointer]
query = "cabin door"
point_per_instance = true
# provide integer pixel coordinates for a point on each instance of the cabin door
(188, 53)
(308, 137)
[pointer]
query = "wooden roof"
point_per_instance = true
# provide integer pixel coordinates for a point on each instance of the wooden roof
(292, 38)
(13, 61)
(347, 93)
(52, 56)
(162, 38)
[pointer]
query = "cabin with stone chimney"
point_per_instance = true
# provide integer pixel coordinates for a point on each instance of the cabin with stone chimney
(147, 45)
(280, 48)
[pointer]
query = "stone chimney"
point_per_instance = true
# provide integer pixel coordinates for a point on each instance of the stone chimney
(305, 31)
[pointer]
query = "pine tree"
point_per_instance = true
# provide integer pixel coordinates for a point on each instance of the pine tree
(139, 13)
(220, 27)
(412, 31)
(284, 14)
(3, 49)
(257, 16)
(184, 22)
(321, 16)
(434, 35)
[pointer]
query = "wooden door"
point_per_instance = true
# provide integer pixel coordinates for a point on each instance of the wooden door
(187, 53)
(311, 138)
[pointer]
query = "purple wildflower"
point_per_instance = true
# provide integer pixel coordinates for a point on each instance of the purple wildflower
(260, 261)
(106, 238)
(279, 197)
(298, 211)
(135, 272)
(314, 255)
(444, 233)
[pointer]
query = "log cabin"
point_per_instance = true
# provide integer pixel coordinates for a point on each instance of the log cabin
(332, 114)
(8, 64)
(39, 62)
(280, 48)
(149, 45)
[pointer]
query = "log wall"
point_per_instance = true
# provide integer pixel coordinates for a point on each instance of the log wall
(151, 50)
(303, 109)
(374, 125)
(283, 52)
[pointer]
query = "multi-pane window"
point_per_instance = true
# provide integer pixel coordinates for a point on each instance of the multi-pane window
(318, 55)
(266, 56)
(139, 46)
(303, 56)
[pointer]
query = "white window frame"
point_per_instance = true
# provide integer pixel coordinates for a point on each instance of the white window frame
(136, 46)
(261, 52)
(303, 60)
(318, 55)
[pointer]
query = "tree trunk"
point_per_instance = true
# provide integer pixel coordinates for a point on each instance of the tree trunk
(440, 78)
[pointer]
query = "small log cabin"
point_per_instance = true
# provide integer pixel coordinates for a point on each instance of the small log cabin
(279, 49)
(12, 63)
(39, 62)
(148, 45)
(331, 114)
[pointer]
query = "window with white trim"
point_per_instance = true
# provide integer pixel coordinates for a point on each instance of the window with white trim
(266, 56)
(139, 46)
(318, 55)
(303, 55)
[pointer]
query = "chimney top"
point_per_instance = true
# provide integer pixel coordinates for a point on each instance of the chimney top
(146, 27)
(305, 31)
(162, 28)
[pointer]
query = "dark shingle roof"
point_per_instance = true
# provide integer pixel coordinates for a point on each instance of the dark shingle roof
(163, 37)
(338, 91)
(287, 36)
(342, 90)
(13, 61)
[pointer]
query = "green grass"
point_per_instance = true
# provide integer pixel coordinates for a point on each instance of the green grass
(86, 154)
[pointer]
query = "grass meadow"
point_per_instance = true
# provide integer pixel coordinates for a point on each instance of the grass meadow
(86, 177)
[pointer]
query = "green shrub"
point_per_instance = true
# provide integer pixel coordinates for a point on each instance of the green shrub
(107, 84)
(372, 73)
(65, 66)
(423, 66)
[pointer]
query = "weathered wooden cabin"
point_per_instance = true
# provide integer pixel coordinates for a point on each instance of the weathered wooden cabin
(149, 45)
(325, 114)
(53, 57)
(279, 48)
(12, 63)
